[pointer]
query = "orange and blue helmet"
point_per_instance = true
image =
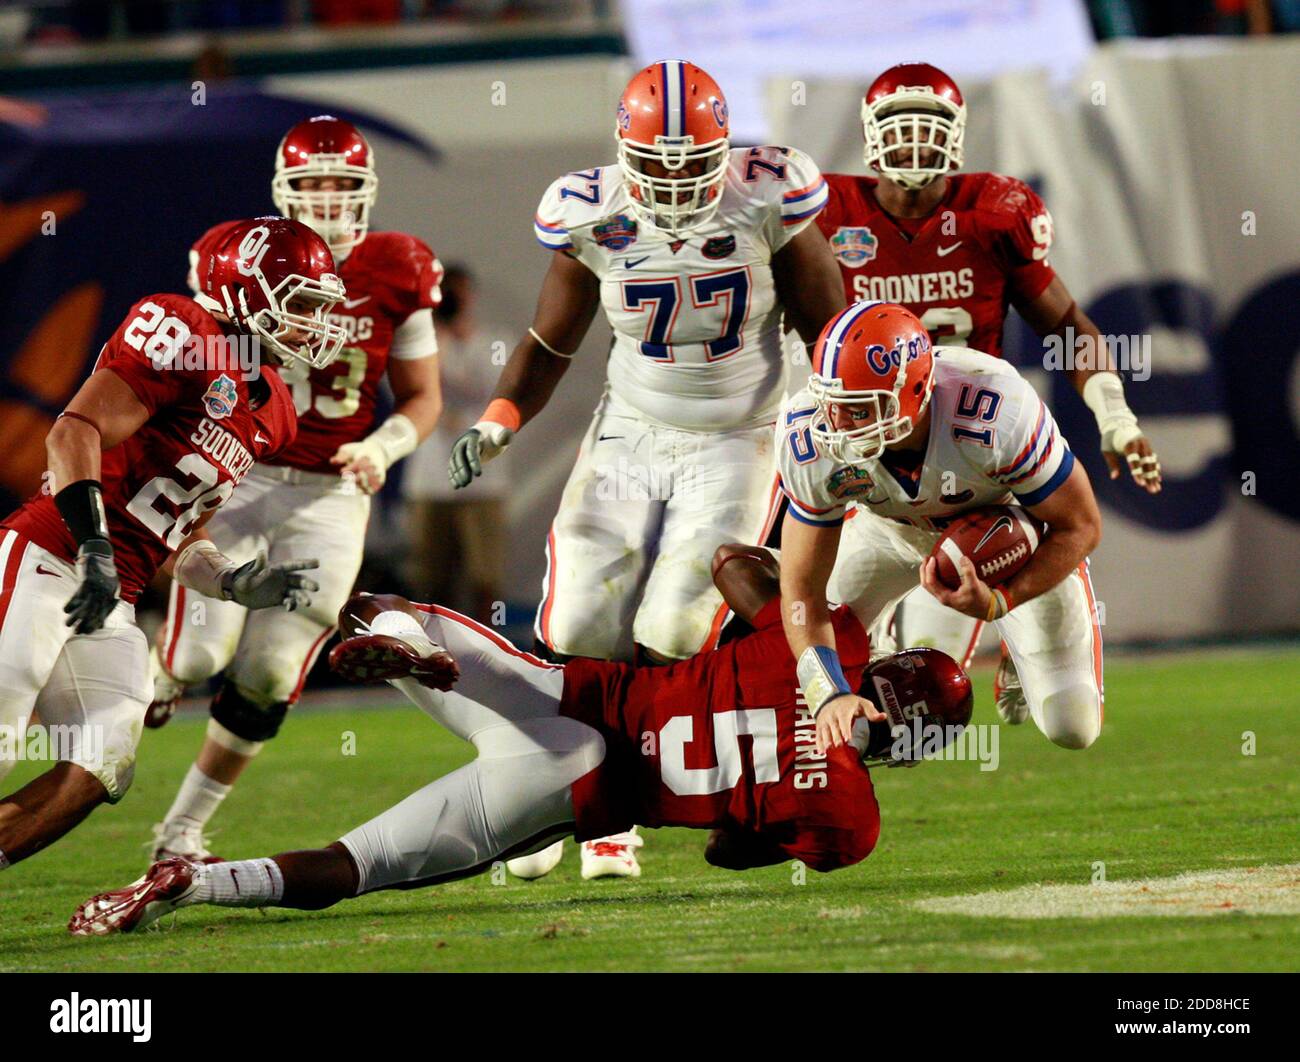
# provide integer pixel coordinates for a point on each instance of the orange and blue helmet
(673, 145)
(874, 361)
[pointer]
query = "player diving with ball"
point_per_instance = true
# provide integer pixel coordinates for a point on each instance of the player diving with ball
(911, 437)
(721, 741)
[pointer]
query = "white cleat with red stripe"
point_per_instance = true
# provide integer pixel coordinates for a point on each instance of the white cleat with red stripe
(612, 857)
(165, 887)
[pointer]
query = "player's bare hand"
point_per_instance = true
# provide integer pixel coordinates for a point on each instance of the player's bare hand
(970, 599)
(1143, 463)
(363, 463)
(474, 449)
(258, 584)
(96, 595)
(835, 720)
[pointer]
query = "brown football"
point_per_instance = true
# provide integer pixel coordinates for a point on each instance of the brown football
(998, 539)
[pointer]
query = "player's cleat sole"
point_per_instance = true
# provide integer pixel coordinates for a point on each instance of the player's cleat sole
(612, 857)
(537, 865)
(164, 887)
(381, 658)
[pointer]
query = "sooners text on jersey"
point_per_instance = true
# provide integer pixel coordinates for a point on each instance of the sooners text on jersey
(723, 739)
(201, 439)
(984, 246)
(388, 277)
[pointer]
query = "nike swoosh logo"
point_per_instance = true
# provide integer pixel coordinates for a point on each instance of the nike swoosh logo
(42, 570)
(603, 438)
(943, 251)
(1003, 523)
(632, 263)
(348, 304)
(258, 437)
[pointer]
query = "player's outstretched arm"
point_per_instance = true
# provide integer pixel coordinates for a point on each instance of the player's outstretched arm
(103, 413)
(808, 283)
(1055, 313)
(568, 302)
(1074, 530)
(748, 577)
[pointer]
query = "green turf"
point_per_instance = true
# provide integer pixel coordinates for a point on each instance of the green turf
(1165, 790)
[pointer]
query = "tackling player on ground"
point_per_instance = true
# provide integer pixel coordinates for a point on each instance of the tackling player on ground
(913, 436)
(702, 255)
(957, 249)
(317, 492)
(151, 445)
(589, 747)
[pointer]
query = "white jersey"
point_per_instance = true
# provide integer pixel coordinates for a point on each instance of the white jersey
(697, 326)
(992, 442)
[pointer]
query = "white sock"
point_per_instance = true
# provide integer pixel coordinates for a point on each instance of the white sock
(198, 799)
(244, 883)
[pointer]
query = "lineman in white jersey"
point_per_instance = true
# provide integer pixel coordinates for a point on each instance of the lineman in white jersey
(701, 256)
(912, 437)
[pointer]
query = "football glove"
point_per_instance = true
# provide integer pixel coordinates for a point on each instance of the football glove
(96, 595)
(261, 585)
(474, 448)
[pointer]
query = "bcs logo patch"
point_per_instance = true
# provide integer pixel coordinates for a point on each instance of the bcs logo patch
(616, 233)
(220, 397)
(719, 246)
(853, 247)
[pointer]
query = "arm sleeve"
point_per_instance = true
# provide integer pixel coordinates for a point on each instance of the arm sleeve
(550, 225)
(415, 337)
(803, 473)
(155, 384)
(797, 191)
(1030, 457)
(1027, 241)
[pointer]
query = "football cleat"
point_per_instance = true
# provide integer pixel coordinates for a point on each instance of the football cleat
(167, 693)
(1008, 693)
(382, 657)
(537, 865)
(612, 857)
(173, 840)
(163, 889)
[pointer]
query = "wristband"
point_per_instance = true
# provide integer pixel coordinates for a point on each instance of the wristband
(820, 677)
(81, 505)
(504, 412)
(1000, 604)
(1103, 393)
(396, 437)
(202, 567)
(546, 346)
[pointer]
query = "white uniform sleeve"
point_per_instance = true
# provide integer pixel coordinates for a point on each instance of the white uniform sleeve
(192, 278)
(803, 471)
(415, 337)
(1029, 455)
(551, 225)
(794, 187)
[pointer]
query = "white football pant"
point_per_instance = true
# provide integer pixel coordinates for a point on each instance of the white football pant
(514, 798)
(1054, 640)
(268, 653)
(630, 551)
(91, 690)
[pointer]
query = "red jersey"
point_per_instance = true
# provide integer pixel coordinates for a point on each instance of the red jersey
(984, 245)
(388, 277)
(200, 440)
(723, 739)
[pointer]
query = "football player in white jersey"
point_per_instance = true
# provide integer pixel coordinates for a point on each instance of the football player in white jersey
(702, 256)
(913, 436)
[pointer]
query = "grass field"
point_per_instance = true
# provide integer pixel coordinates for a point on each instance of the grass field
(1166, 790)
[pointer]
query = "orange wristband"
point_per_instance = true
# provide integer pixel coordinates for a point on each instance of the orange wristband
(504, 412)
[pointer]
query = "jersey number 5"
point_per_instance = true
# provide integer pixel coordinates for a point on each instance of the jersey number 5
(679, 731)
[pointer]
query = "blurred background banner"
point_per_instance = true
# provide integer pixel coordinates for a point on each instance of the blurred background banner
(1168, 168)
(743, 42)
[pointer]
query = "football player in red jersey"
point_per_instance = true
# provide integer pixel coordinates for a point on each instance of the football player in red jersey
(316, 491)
(957, 249)
(720, 741)
(150, 446)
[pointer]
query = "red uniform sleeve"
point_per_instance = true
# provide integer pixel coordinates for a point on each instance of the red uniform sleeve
(146, 347)
(407, 267)
(769, 615)
(1027, 234)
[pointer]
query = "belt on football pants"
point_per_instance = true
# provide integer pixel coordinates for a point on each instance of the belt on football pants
(297, 476)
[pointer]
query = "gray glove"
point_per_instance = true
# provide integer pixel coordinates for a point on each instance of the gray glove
(96, 596)
(475, 448)
(261, 585)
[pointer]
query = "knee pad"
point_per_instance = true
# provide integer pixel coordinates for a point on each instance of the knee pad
(246, 719)
(1070, 717)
